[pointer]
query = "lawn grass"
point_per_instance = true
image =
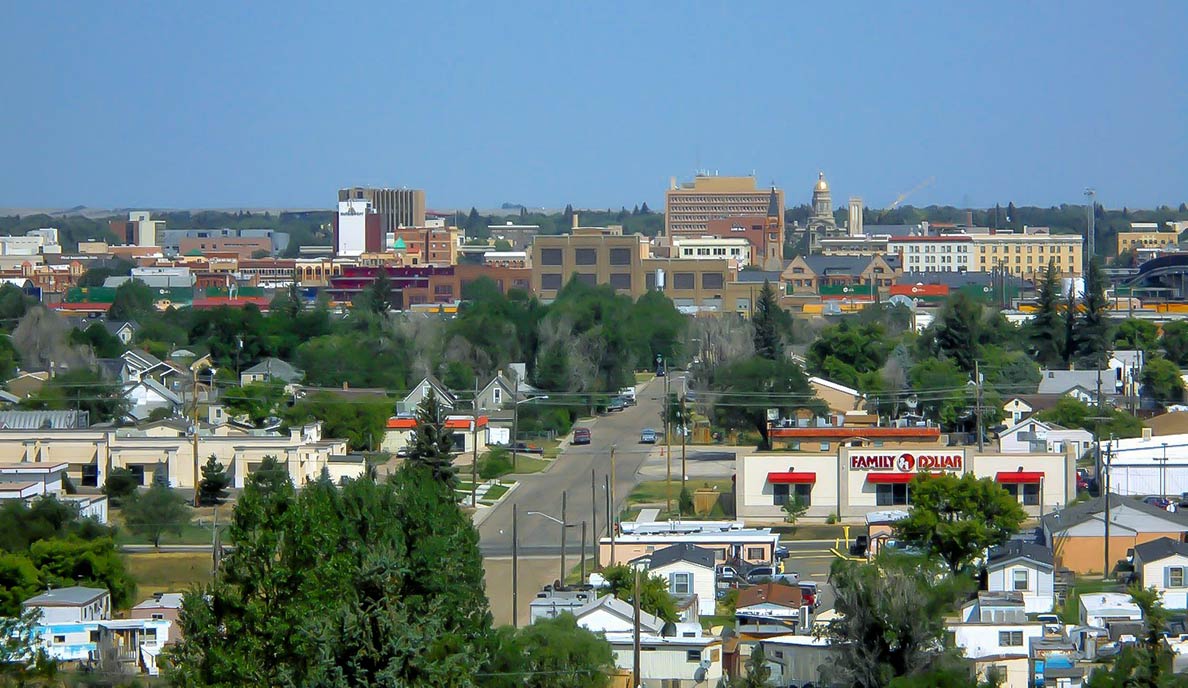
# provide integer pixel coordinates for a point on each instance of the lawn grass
(641, 378)
(552, 448)
(494, 493)
(167, 571)
(655, 491)
(531, 464)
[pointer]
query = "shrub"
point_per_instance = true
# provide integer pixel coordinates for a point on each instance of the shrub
(495, 463)
(121, 484)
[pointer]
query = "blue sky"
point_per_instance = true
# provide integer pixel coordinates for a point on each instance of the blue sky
(216, 104)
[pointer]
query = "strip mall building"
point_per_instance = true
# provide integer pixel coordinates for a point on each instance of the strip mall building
(857, 472)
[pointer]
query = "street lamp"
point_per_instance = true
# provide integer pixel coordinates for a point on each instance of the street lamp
(516, 419)
(561, 522)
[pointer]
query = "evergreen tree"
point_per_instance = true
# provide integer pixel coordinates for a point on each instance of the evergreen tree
(431, 442)
(958, 330)
(378, 297)
(1011, 218)
(1071, 324)
(645, 210)
(212, 489)
(764, 320)
(1093, 330)
(1044, 331)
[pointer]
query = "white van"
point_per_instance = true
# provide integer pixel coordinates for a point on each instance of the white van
(628, 394)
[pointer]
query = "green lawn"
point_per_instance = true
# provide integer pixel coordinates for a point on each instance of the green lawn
(494, 493)
(813, 531)
(655, 491)
(531, 464)
(552, 448)
(191, 534)
(167, 571)
(641, 378)
(1072, 606)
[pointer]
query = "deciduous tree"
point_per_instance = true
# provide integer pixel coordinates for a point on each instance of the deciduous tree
(157, 511)
(653, 590)
(1175, 341)
(747, 388)
(1162, 382)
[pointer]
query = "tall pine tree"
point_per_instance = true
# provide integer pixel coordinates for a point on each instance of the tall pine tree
(1093, 330)
(765, 320)
(1045, 332)
(212, 489)
(1068, 344)
(431, 442)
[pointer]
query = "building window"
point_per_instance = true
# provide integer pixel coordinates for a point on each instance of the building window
(683, 280)
(785, 493)
(94, 636)
(1019, 579)
(1175, 577)
(756, 553)
(1031, 494)
(891, 495)
(794, 445)
(59, 639)
(650, 281)
(550, 281)
(587, 278)
(157, 616)
(621, 280)
(90, 475)
(711, 280)
(1010, 638)
(585, 256)
(497, 396)
(680, 583)
(692, 655)
(550, 256)
(824, 446)
(620, 256)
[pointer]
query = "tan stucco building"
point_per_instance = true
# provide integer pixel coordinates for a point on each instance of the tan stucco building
(1146, 235)
(1027, 253)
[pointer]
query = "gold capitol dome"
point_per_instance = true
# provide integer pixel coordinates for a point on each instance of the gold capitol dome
(822, 185)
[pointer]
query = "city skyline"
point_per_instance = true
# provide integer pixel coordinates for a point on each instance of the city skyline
(230, 106)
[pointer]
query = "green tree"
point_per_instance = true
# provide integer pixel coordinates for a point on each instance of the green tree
(19, 580)
(212, 489)
(1072, 323)
(957, 331)
(758, 674)
(377, 298)
(1148, 664)
(157, 511)
(361, 423)
(1133, 333)
(103, 343)
(120, 486)
(793, 509)
(1072, 413)
(749, 387)
(63, 562)
(890, 620)
(258, 400)
(1162, 382)
(1092, 334)
(768, 343)
(550, 653)
(1175, 341)
(653, 591)
(83, 389)
(958, 518)
(944, 393)
(133, 300)
(23, 660)
(1045, 330)
(431, 444)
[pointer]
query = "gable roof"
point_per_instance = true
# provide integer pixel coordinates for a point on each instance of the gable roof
(623, 610)
(770, 593)
(73, 596)
(276, 368)
(1061, 381)
(1160, 549)
(443, 393)
(1015, 551)
(1174, 423)
(1088, 510)
(142, 358)
(837, 265)
(698, 556)
(160, 389)
(115, 326)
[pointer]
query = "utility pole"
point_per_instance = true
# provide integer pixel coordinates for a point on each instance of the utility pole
(635, 624)
(197, 491)
(515, 570)
(978, 382)
(610, 501)
(474, 461)
(1105, 569)
(610, 522)
(684, 432)
(668, 438)
(563, 526)
(594, 523)
(583, 580)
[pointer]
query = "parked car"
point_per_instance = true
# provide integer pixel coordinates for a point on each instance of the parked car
(1161, 502)
(761, 574)
(628, 395)
(581, 436)
(808, 594)
(522, 448)
(859, 546)
(726, 574)
(647, 436)
(616, 404)
(781, 552)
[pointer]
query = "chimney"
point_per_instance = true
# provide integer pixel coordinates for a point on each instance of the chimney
(1147, 433)
(574, 221)
(969, 218)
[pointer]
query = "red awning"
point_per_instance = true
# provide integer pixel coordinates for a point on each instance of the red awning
(792, 478)
(889, 478)
(1019, 477)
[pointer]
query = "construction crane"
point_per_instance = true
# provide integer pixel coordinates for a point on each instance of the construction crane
(922, 185)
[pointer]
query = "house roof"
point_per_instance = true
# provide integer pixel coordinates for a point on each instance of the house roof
(74, 596)
(40, 420)
(443, 393)
(1037, 402)
(1160, 549)
(847, 265)
(146, 359)
(684, 551)
(1014, 551)
(1175, 423)
(110, 367)
(1088, 510)
(623, 610)
(160, 389)
(1061, 381)
(276, 368)
(114, 326)
(758, 276)
(770, 593)
(165, 600)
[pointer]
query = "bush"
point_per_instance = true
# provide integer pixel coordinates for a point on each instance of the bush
(833, 518)
(495, 463)
(121, 484)
(685, 502)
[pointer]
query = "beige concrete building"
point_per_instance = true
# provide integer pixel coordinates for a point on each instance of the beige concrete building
(396, 207)
(690, 206)
(93, 453)
(1027, 253)
(1146, 235)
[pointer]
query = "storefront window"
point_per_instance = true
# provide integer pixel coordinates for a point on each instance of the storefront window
(891, 495)
(1031, 494)
(784, 493)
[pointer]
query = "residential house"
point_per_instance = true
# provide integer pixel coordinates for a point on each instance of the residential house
(837, 397)
(551, 603)
(467, 434)
(798, 660)
(44, 420)
(1127, 367)
(1034, 436)
(123, 330)
(1067, 382)
(752, 545)
(138, 363)
(1163, 564)
(677, 655)
(1076, 534)
(689, 571)
(1022, 406)
(499, 393)
(1171, 423)
(147, 395)
(67, 625)
(994, 632)
(445, 398)
(1100, 608)
(1023, 568)
(131, 645)
(859, 278)
(26, 383)
(161, 606)
(272, 370)
(769, 602)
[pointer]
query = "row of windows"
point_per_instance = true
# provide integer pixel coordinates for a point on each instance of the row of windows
(933, 248)
(711, 252)
(585, 256)
(1019, 248)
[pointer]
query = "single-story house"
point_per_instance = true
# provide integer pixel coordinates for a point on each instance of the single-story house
(272, 370)
(689, 570)
(1033, 435)
(769, 602)
(1098, 608)
(1163, 564)
(1024, 568)
(1076, 534)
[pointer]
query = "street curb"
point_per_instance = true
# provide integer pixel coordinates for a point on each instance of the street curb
(482, 514)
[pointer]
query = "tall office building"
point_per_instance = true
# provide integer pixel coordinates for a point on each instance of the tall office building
(856, 228)
(140, 229)
(396, 207)
(357, 229)
(691, 205)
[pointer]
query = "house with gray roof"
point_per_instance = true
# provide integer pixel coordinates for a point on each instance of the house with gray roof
(272, 370)
(689, 571)
(1026, 568)
(1066, 381)
(1163, 564)
(1076, 533)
